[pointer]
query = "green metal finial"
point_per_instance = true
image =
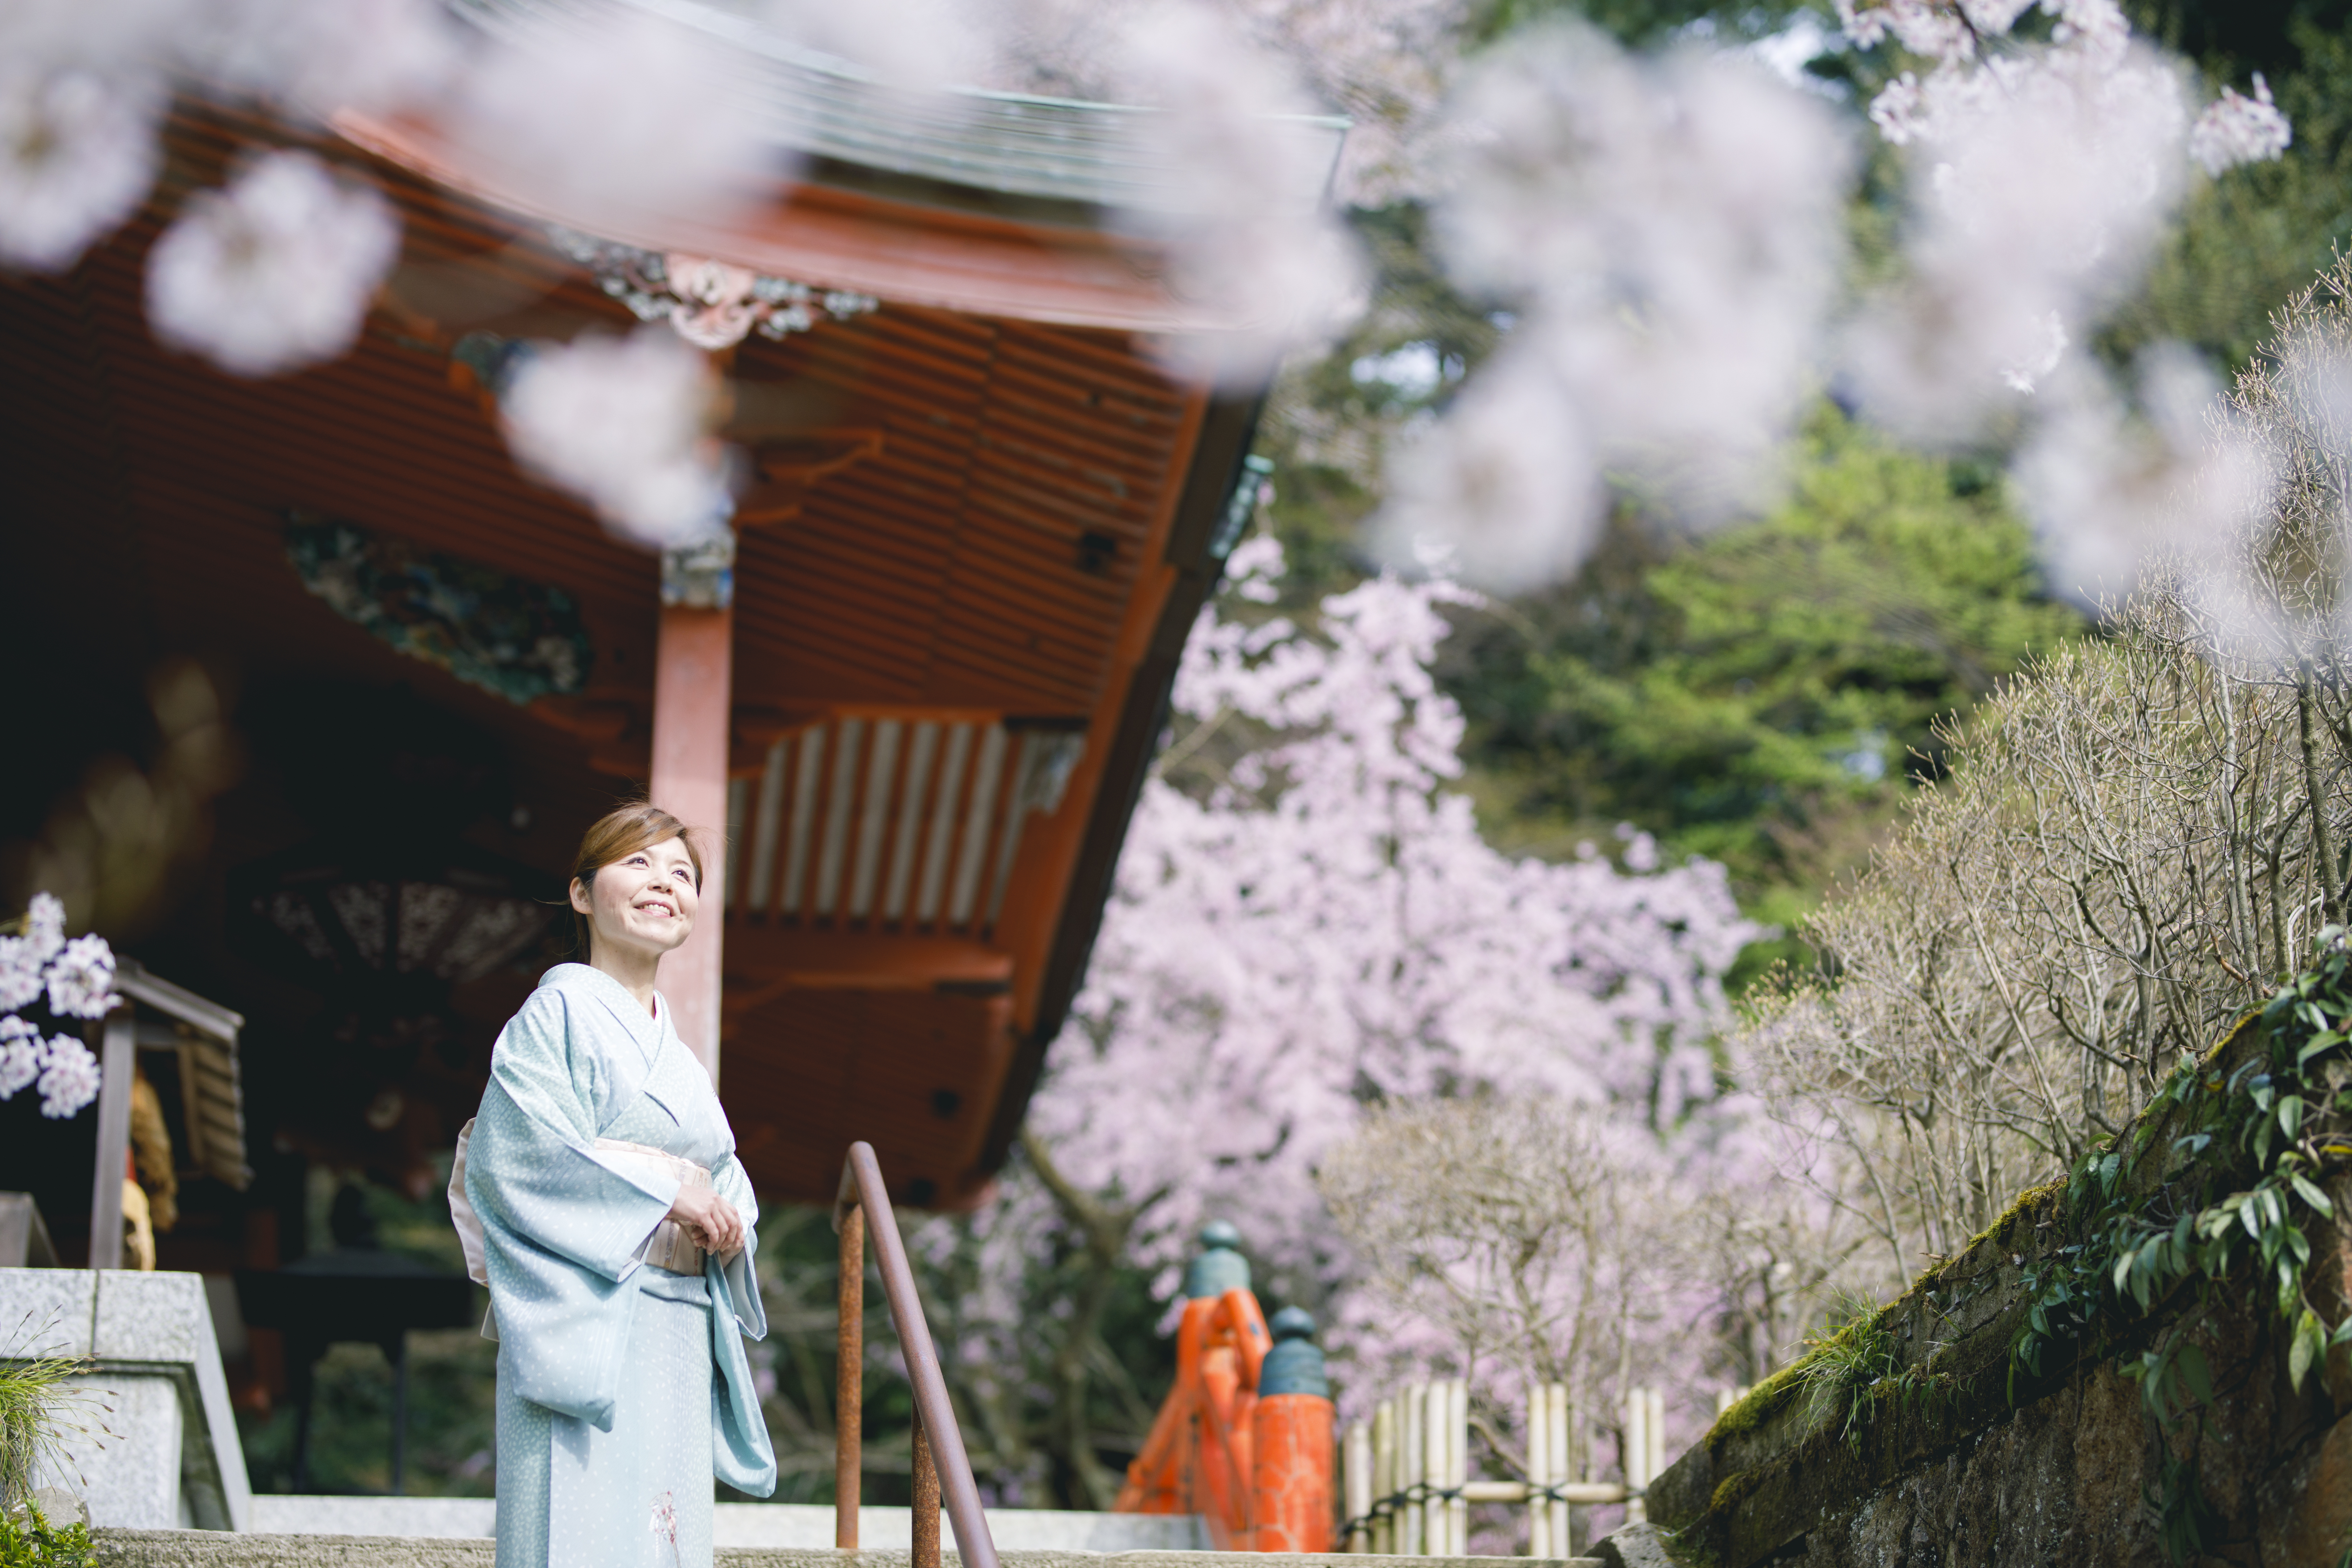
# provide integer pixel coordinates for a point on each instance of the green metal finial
(1220, 1266)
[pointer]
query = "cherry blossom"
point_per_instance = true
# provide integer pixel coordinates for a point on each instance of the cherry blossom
(324, 55)
(1243, 177)
(82, 978)
(277, 271)
(1326, 929)
(2234, 130)
(1670, 234)
(77, 153)
(20, 972)
(45, 926)
(22, 1052)
(620, 422)
(69, 1080)
(78, 977)
(23, 959)
(639, 115)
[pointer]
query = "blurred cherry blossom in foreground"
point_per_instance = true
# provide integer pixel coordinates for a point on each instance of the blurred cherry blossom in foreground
(621, 423)
(275, 272)
(1669, 234)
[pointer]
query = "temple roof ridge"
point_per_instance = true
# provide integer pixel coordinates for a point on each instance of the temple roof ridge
(1019, 144)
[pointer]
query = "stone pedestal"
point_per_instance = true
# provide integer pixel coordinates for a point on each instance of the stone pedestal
(151, 1442)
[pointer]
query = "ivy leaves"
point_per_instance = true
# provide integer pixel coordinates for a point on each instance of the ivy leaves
(2237, 1190)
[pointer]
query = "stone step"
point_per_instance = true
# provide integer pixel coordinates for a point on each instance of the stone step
(222, 1549)
(766, 1525)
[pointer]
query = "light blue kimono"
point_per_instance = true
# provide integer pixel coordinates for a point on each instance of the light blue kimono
(622, 1387)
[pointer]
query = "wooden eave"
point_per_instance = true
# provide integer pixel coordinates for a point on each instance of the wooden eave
(1026, 550)
(1069, 269)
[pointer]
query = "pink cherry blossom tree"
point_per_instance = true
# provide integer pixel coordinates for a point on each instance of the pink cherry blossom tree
(1307, 926)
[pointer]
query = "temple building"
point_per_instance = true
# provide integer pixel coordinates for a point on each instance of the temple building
(316, 690)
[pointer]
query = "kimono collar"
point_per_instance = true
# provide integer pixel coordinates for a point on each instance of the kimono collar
(648, 1033)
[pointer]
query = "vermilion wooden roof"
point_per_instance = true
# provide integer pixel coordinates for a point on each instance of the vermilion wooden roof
(1019, 560)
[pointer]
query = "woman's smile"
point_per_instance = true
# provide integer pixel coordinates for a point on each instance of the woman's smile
(640, 907)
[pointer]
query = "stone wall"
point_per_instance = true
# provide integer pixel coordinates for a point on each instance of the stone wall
(159, 1445)
(1971, 1468)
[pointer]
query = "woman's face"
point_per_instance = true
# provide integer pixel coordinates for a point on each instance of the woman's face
(644, 902)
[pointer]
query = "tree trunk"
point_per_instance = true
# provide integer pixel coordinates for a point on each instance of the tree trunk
(1081, 1477)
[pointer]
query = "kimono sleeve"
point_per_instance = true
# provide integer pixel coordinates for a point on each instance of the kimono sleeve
(740, 1452)
(532, 1172)
(559, 1228)
(742, 1280)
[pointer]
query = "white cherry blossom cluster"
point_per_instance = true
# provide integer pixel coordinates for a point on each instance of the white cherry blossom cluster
(277, 271)
(619, 423)
(2235, 130)
(77, 978)
(1669, 236)
(1240, 217)
(1664, 237)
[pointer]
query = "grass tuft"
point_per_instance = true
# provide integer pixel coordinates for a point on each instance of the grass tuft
(39, 1405)
(1841, 1364)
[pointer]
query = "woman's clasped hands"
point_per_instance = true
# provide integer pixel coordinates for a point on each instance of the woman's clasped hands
(710, 1219)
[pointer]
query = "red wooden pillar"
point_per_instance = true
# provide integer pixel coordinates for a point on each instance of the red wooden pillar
(693, 678)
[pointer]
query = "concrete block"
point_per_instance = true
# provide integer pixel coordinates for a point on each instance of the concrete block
(24, 1238)
(128, 1470)
(46, 1311)
(151, 1317)
(174, 1458)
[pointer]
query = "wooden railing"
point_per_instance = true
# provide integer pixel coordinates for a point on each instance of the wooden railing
(940, 1463)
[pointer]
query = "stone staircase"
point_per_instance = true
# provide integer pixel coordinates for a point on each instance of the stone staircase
(763, 1525)
(220, 1548)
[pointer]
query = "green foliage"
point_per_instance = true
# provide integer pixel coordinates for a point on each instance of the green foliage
(1757, 696)
(2234, 37)
(28, 1541)
(37, 1392)
(2249, 241)
(2233, 1189)
(1841, 1366)
(452, 1421)
(1639, 22)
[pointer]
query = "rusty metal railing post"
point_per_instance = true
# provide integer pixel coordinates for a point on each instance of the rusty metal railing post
(926, 1502)
(849, 1382)
(939, 1450)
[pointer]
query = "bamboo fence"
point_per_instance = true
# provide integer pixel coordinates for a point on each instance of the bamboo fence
(1406, 1472)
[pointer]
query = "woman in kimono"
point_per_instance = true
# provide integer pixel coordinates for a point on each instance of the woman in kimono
(614, 1229)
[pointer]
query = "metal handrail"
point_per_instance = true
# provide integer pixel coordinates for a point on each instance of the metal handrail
(940, 1463)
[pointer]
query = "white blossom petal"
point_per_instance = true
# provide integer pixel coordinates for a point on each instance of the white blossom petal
(275, 272)
(82, 978)
(69, 1079)
(621, 423)
(22, 1054)
(2234, 130)
(77, 153)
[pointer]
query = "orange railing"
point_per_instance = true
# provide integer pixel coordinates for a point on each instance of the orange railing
(940, 1463)
(1244, 1438)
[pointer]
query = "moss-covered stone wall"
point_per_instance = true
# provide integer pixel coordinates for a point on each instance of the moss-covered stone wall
(1958, 1459)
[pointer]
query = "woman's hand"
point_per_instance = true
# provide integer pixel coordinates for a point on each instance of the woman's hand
(710, 1219)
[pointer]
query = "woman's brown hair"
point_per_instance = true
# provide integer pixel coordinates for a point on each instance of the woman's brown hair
(618, 833)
